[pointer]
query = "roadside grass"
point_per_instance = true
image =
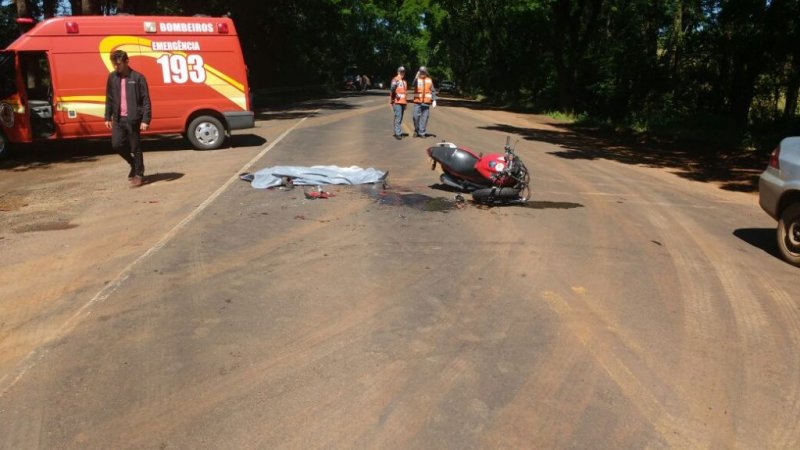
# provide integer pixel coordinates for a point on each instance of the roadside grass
(702, 148)
(566, 117)
(712, 132)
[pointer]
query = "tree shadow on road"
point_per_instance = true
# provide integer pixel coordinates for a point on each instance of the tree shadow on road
(735, 171)
(45, 154)
(283, 115)
(471, 104)
(298, 106)
(289, 110)
(762, 238)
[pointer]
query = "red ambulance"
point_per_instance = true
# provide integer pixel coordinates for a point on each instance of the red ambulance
(53, 77)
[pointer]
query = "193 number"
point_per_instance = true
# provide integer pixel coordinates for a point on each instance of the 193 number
(180, 69)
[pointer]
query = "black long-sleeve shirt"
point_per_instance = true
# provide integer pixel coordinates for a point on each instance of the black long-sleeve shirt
(137, 93)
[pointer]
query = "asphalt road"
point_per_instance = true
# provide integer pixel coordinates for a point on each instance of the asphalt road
(625, 306)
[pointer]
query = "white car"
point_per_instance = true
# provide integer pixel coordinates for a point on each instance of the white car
(779, 196)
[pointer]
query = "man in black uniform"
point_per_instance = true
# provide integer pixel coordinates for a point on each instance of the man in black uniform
(128, 113)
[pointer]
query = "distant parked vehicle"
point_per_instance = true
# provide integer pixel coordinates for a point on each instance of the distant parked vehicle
(779, 196)
(448, 87)
(351, 81)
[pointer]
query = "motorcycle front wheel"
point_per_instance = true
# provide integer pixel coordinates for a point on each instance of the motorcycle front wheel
(496, 195)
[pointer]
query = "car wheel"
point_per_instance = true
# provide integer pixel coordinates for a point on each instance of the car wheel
(206, 133)
(789, 234)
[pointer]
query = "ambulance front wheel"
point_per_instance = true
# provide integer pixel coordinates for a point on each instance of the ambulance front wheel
(206, 133)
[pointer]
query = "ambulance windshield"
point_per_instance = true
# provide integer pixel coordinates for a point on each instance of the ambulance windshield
(8, 79)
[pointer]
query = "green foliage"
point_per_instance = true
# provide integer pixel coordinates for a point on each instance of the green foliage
(648, 65)
(8, 28)
(567, 117)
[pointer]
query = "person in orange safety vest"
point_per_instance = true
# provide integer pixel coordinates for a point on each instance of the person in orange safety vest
(398, 100)
(424, 100)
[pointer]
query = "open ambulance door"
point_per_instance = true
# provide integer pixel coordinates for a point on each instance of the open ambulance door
(9, 101)
(37, 95)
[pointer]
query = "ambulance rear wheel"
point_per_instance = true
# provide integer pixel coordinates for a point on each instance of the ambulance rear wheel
(206, 133)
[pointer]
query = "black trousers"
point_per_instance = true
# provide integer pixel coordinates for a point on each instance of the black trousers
(125, 141)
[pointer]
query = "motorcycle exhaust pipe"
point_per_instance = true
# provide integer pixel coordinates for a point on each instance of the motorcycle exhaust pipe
(447, 180)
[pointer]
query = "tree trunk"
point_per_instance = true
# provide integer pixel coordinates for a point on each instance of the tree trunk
(742, 92)
(566, 84)
(49, 8)
(677, 38)
(75, 7)
(189, 7)
(561, 41)
(792, 87)
(90, 7)
(575, 25)
(23, 9)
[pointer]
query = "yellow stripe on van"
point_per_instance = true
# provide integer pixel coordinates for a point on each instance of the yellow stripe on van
(89, 109)
(84, 98)
(227, 79)
(225, 85)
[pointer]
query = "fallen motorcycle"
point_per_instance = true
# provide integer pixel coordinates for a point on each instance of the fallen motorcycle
(495, 178)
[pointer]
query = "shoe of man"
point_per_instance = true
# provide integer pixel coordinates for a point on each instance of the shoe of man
(398, 137)
(136, 181)
(417, 134)
(131, 174)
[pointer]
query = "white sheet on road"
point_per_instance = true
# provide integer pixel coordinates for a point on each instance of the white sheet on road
(271, 176)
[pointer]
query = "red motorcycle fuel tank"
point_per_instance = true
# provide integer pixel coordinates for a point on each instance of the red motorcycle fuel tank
(490, 164)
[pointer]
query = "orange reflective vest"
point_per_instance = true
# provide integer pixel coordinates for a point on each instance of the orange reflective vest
(399, 96)
(423, 90)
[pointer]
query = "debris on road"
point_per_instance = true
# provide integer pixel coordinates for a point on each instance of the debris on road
(286, 184)
(314, 175)
(460, 201)
(316, 192)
